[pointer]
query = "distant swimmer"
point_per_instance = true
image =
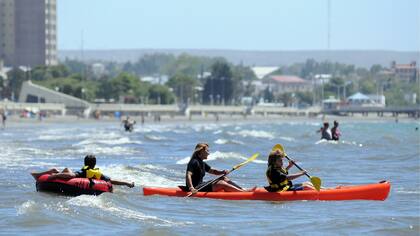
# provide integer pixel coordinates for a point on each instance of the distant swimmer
(335, 132)
(325, 132)
(128, 124)
(88, 171)
(3, 119)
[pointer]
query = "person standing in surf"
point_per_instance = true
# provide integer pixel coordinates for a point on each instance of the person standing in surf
(335, 132)
(197, 168)
(325, 132)
(3, 118)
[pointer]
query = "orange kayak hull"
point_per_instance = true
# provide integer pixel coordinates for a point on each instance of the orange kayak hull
(377, 191)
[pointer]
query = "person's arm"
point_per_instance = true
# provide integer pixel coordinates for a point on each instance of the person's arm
(291, 163)
(218, 172)
(295, 176)
(189, 182)
(120, 182)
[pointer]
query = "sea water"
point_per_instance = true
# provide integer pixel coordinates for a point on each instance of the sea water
(157, 154)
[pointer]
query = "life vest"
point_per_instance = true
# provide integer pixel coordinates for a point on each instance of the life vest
(94, 173)
(280, 187)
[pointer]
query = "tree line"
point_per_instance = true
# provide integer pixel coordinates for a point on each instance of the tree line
(202, 80)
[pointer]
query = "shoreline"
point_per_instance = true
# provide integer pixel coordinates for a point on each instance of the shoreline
(166, 119)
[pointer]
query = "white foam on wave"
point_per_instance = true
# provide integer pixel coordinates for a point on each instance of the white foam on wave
(183, 161)
(93, 148)
(155, 137)
(27, 208)
(226, 141)
(31, 207)
(11, 158)
(118, 141)
(334, 142)
(290, 139)
(102, 203)
(253, 133)
(207, 127)
(35, 151)
(66, 134)
(142, 175)
(407, 191)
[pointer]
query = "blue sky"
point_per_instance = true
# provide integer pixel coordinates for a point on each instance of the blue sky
(239, 24)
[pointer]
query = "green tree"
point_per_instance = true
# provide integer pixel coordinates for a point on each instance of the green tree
(286, 99)
(160, 94)
(305, 97)
(367, 86)
(128, 85)
(183, 87)
(16, 77)
(219, 87)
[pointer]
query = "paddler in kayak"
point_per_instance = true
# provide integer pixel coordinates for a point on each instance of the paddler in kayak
(88, 171)
(197, 168)
(279, 179)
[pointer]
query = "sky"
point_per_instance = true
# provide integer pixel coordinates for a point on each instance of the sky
(263, 25)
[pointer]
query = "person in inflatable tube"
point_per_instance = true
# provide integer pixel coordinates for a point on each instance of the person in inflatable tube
(88, 171)
(279, 179)
(196, 170)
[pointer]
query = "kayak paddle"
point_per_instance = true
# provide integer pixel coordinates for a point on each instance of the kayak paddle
(316, 181)
(233, 168)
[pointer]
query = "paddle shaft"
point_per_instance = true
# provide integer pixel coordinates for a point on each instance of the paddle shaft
(210, 182)
(294, 163)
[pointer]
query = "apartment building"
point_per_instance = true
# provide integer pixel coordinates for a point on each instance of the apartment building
(28, 34)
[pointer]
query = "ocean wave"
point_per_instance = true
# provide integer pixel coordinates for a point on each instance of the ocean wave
(114, 150)
(290, 139)
(119, 141)
(228, 141)
(143, 175)
(335, 142)
(253, 133)
(27, 208)
(104, 204)
(154, 137)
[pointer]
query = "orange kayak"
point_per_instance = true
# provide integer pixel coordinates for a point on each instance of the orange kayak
(378, 191)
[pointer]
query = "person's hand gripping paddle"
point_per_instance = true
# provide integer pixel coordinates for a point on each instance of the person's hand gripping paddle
(220, 177)
(316, 181)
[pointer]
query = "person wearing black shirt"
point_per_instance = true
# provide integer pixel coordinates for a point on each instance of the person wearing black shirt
(197, 169)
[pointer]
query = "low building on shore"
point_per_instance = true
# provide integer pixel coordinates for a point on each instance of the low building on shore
(287, 84)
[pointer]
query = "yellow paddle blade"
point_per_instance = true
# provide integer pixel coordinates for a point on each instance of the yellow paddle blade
(316, 182)
(247, 161)
(278, 147)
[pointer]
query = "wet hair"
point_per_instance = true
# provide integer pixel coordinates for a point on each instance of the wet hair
(335, 122)
(272, 157)
(326, 124)
(90, 160)
(198, 148)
